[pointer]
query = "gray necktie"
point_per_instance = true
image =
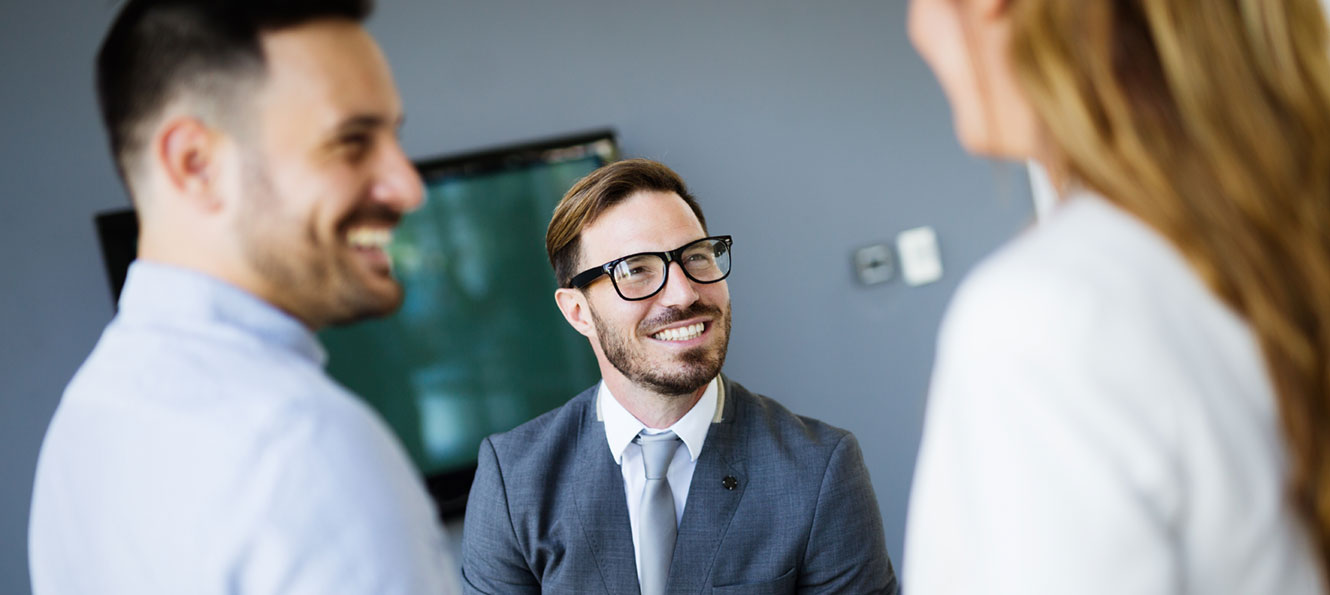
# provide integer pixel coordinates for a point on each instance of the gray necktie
(656, 524)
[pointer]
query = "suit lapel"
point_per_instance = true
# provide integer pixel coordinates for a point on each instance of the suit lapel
(602, 507)
(710, 505)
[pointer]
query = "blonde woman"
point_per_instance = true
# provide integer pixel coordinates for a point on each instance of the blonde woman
(1134, 397)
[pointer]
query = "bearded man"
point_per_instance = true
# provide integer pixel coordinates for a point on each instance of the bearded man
(665, 477)
(201, 448)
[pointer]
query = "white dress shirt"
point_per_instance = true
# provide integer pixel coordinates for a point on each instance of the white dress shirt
(1099, 422)
(202, 449)
(620, 429)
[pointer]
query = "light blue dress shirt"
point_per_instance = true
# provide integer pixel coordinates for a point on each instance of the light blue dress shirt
(202, 449)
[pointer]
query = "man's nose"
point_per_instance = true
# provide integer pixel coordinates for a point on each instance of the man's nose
(397, 182)
(679, 289)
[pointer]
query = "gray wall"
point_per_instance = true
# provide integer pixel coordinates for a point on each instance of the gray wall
(807, 129)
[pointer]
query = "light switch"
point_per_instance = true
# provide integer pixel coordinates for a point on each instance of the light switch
(921, 262)
(873, 263)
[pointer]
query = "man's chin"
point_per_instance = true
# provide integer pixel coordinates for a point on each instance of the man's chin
(676, 390)
(685, 382)
(368, 305)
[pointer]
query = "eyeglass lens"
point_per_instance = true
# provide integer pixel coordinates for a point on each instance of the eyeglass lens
(704, 261)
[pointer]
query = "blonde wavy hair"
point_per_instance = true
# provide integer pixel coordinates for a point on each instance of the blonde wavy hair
(1210, 121)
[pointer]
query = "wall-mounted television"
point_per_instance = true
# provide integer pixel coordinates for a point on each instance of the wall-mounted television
(478, 346)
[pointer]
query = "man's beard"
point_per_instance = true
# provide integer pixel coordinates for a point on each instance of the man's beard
(318, 284)
(701, 364)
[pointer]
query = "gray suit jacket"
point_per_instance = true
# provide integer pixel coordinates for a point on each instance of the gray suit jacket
(547, 512)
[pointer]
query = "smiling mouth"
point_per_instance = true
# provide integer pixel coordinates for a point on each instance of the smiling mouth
(370, 245)
(369, 238)
(683, 333)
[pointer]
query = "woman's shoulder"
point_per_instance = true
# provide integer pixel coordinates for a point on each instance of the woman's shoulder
(1097, 296)
(1090, 262)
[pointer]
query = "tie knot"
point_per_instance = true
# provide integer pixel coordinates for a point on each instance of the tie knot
(657, 450)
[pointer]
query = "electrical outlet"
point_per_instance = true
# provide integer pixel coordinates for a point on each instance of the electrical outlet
(874, 264)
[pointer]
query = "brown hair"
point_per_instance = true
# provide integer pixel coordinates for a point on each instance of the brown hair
(593, 195)
(1210, 121)
(158, 51)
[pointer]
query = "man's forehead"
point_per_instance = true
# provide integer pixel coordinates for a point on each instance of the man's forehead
(328, 69)
(648, 221)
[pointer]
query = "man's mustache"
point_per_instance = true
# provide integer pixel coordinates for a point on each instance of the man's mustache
(673, 315)
(373, 214)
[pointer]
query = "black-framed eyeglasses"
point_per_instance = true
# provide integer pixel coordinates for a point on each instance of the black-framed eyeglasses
(642, 275)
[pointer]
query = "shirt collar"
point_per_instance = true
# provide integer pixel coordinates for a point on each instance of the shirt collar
(157, 292)
(621, 427)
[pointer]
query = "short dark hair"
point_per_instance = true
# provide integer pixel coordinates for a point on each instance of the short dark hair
(593, 195)
(157, 50)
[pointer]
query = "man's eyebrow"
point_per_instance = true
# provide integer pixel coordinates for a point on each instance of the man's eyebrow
(368, 121)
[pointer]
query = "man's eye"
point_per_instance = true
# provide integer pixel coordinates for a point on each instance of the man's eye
(355, 145)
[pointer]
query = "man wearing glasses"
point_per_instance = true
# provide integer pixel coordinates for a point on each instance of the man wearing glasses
(666, 476)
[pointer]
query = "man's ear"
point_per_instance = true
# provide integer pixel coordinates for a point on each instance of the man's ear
(188, 152)
(573, 305)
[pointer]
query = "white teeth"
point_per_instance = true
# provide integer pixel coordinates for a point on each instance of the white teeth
(369, 237)
(685, 333)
